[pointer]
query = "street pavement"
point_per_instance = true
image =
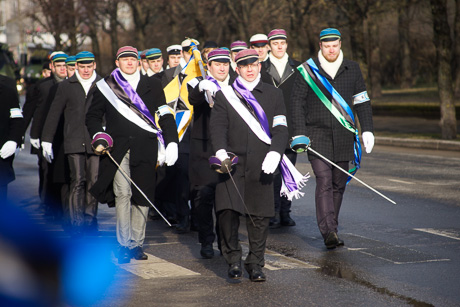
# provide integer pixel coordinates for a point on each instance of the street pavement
(394, 255)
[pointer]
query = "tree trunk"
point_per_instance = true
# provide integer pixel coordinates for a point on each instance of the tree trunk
(457, 49)
(96, 49)
(139, 26)
(312, 39)
(403, 29)
(57, 39)
(443, 44)
(374, 58)
(356, 18)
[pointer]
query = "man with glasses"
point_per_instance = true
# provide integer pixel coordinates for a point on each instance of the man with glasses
(238, 114)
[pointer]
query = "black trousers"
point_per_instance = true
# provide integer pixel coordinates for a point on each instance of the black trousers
(48, 190)
(330, 186)
(182, 185)
(229, 222)
(282, 204)
(3, 194)
(83, 174)
(204, 201)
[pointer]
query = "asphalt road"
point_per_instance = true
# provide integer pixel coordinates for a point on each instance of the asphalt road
(394, 255)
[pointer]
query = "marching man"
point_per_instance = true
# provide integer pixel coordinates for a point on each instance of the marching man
(325, 94)
(203, 179)
(129, 100)
(249, 120)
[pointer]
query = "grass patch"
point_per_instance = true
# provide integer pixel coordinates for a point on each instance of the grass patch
(414, 136)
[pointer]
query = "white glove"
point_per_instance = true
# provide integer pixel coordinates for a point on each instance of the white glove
(368, 140)
(221, 154)
(172, 153)
(271, 162)
(48, 151)
(35, 143)
(8, 149)
(206, 85)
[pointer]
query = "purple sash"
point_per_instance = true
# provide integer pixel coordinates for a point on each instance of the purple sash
(136, 101)
(289, 180)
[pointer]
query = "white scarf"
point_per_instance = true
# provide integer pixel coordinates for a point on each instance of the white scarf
(280, 64)
(250, 85)
(132, 79)
(150, 72)
(223, 83)
(330, 68)
(266, 57)
(86, 83)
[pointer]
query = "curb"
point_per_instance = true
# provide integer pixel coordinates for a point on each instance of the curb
(422, 144)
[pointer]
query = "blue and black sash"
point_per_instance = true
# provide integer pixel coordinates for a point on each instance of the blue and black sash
(335, 103)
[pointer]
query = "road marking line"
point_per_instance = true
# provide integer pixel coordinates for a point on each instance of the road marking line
(275, 261)
(400, 181)
(408, 262)
(368, 251)
(166, 243)
(442, 183)
(155, 267)
(442, 233)
(356, 249)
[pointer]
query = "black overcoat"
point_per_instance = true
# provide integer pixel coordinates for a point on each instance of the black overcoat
(230, 132)
(311, 118)
(126, 136)
(70, 99)
(41, 110)
(270, 75)
(59, 167)
(11, 128)
(200, 173)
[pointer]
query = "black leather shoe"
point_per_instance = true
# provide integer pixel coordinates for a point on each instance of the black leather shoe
(124, 255)
(331, 240)
(207, 252)
(286, 219)
(234, 271)
(340, 242)
(275, 221)
(91, 227)
(183, 225)
(139, 254)
(256, 274)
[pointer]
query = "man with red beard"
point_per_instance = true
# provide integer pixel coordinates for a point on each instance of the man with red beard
(326, 94)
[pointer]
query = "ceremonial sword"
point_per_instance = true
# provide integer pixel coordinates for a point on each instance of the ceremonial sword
(143, 194)
(352, 176)
(239, 194)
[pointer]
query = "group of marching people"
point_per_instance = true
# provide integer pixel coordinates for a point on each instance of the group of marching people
(224, 145)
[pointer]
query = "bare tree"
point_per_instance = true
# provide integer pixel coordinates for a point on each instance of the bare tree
(443, 43)
(374, 58)
(404, 54)
(50, 18)
(457, 49)
(356, 13)
(143, 12)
